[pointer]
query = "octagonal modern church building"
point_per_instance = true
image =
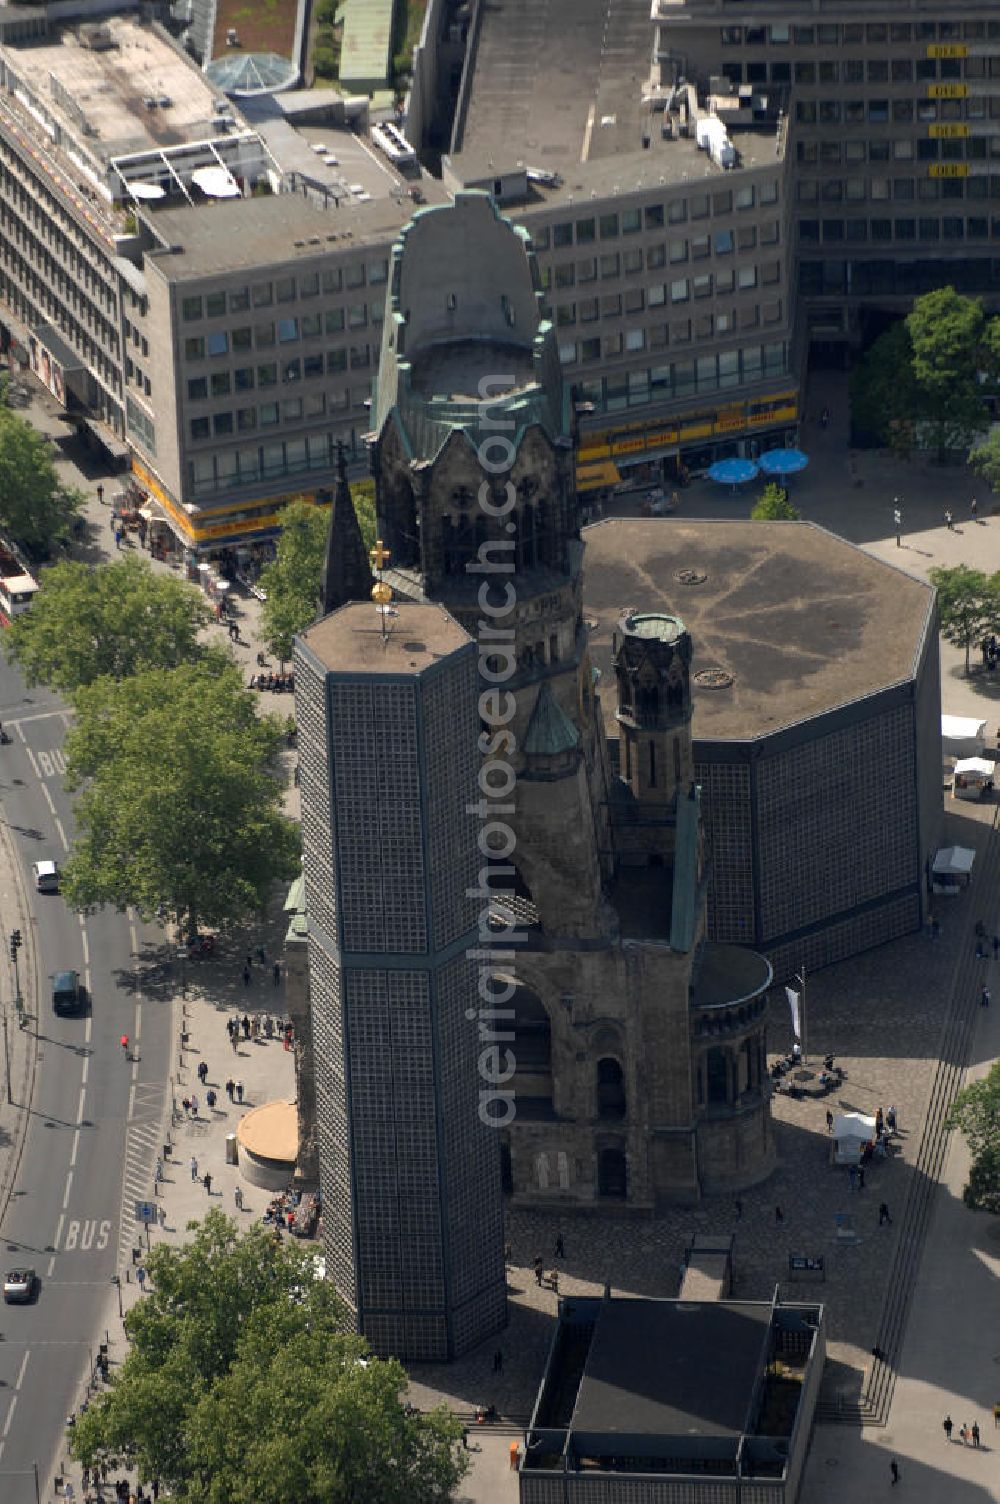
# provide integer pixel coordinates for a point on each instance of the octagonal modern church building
(632, 1023)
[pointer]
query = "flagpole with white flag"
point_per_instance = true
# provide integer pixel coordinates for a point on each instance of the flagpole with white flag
(800, 977)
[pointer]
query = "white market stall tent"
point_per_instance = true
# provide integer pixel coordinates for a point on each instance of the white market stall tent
(973, 777)
(962, 736)
(952, 868)
(851, 1131)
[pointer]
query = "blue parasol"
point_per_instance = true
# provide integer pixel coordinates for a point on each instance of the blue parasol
(732, 472)
(783, 461)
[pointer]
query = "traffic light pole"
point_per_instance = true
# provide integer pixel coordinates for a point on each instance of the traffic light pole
(6, 1058)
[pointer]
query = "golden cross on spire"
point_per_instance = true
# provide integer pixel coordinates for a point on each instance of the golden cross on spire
(379, 555)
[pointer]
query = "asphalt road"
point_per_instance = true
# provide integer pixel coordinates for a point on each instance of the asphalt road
(95, 1116)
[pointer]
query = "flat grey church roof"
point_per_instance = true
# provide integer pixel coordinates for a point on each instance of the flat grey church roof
(803, 621)
(350, 641)
(671, 1368)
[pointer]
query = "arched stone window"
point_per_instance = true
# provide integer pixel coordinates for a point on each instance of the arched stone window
(611, 1103)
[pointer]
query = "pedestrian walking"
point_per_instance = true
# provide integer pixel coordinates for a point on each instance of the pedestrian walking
(194, 1105)
(239, 1091)
(276, 973)
(883, 1214)
(100, 495)
(975, 1433)
(947, 1426)
(984, 1000)
(246, 1024)
(202, 1071)
(194, 1168)
(238, 1198)
(118, 537)
(894, 1470)
(949, 522)
(230, 1088)
(538, 1270)
(890, 1120)
(560, 1252)
(246, 976)
(779, 1216)
(964, 1433)
(140, 1275)
(829, 1121)
(211, 1099)
(249, 960)
(262, 955)
(897, 520)
(158, 1172)
(234, 1040)
(207, 1183)
(124, 1045)
(974, 508)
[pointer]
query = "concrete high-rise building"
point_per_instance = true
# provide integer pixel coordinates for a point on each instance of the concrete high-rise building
(410, 1173)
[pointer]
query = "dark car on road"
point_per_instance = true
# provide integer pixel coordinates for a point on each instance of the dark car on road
(67, 993)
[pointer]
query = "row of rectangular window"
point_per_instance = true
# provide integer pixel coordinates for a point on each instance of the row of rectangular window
(270, 373)
(722, 243)
(882, 231)
(614, 305)
(884, 111)
(268, 415)
(285, 331)
(834, 34)
(681, 379)
(827, 153)
(653, 217)
(215, 305)
(880, 190)
(879, 70)
(229, 468)
(678, 332)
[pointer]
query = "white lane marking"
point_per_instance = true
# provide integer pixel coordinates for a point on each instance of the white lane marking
(79, 1109)
(62, 834)
(48, 799)
(86, 1069)
(43, 715)
(86, 943)
(20, 1372)
(50, 1269)
(131, 1101)
(138, 1021)
(34, 763)
(69, 1187)
(62, 1219)
(88, 1028)
(76, 1145)
(10, 1416)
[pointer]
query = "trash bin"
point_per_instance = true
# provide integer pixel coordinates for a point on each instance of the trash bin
(232, 1151)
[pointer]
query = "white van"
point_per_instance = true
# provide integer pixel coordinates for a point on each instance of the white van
(973, 778)
(46, 875)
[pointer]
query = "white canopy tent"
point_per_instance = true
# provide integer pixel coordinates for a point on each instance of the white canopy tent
(851, 1131)
(962, 735)
(954, 861)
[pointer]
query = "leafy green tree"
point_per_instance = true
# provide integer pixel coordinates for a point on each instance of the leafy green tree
(885, 399)
(179, 812)
(363, 496)
(35, 507)
(976, 1111)
(117, 620)
(292, 582)
(773, 505)
(984, 459)
(242, 1386)
(947, 334)
(968, 604)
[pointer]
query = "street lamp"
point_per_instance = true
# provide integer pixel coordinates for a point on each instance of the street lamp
(15, 945)
(116, 1281)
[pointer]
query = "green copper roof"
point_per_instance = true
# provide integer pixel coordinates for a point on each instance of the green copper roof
(550, 730)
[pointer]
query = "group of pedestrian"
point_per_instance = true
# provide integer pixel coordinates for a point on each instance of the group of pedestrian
(969, 1434)
(234, 1091)
(256, 1028)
